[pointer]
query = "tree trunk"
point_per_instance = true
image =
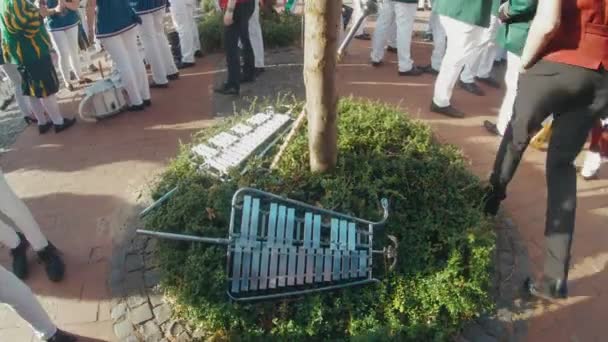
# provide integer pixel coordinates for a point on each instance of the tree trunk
(322, 18)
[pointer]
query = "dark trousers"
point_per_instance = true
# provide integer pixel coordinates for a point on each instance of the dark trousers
(239, 30)
(577, 97)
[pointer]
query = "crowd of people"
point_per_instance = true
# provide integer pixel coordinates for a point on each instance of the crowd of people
(552, 71)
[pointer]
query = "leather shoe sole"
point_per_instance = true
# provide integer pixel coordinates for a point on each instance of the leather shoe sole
(472, 88)
(447, 111)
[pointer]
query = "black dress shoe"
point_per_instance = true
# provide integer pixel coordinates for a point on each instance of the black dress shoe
(376, 64)
(42, 129)
(173, 77)
(247, 79)
(259, 71)
(147, 103)
(491, 127)
(19, 254)
(414, 71)
(62, 336)
(85, 80)
(391, 49)
(198, 54)
(67, 123)
(548, 289)
(227, 90)
(7, 102)
(30, 120)
(363, 36)
(54, 266)
(185, 65)
(136, 108)
(428, 69)
(489, 81)
(472, 88)
(492, 200)
(159, 85)
(447, 111)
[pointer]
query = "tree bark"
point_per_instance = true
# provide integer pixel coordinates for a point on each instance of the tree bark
(322, 20)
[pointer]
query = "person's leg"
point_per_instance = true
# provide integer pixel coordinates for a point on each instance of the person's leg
(51, 107)
(20, 298)
(255, 33)
(544, 89)
(439, 42)
(72, 39)
(511, 80)
(242, 19)
(183, 25)
(570, 131)
(38, 110)
(196, 36)
(391, 40)
(358, 13)
(490, 49)
(22, 101)
(62, 47)
(138, 67)
(386, 18)
(463, 40)
(231, 41)
(405, 14)
(165, 48)
(151, 44)
(120, 55)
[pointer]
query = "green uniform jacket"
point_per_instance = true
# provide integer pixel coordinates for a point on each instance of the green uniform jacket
(24, 37)
(474, 12)
(512, 37)
(495, 7)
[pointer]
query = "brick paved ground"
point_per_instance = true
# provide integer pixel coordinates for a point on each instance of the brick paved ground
(86, 184)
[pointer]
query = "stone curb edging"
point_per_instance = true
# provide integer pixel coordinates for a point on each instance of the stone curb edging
(139, 312)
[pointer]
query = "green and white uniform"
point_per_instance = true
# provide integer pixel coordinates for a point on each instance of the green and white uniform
(464, 22)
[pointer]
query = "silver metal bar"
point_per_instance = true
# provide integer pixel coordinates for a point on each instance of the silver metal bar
(183, 237)
(302, 292)
(383, 202)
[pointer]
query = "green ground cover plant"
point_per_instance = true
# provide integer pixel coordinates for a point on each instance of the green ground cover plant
(443, 276)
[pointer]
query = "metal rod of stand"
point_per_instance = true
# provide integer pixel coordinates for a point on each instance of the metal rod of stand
(182, 237)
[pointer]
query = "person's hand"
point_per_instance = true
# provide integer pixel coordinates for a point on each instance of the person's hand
(503, 12)
(228, 18)
(44, 11)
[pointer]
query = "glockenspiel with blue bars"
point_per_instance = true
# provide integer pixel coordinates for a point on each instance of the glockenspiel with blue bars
(278, 247)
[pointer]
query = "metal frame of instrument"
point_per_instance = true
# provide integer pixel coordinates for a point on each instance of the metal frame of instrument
(278, 247)
(369, 7)
(260, 151)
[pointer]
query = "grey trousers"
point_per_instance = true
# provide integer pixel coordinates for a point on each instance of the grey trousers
(577, 97)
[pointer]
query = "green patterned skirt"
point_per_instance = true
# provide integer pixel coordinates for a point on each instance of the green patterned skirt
(39, 78)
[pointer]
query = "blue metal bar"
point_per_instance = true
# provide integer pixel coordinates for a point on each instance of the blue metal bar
(158, 202)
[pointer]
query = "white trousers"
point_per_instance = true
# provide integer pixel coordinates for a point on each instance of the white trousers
(384, 30)
(463, 43)
(511, 80)
(358, 13)
(65, 43)
(255, 35)
(19, 297)
(158, 51)
(439, 41)
(13, 208)
(23, 102)
(123, 50)
(483, 62)
(182, 12)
